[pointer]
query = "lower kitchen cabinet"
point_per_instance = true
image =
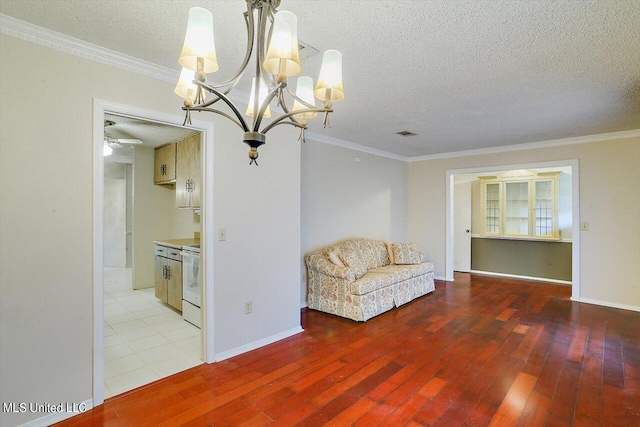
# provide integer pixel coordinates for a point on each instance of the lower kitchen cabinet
(168, 276)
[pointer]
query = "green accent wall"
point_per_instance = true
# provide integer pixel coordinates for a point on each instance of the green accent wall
(547, 260)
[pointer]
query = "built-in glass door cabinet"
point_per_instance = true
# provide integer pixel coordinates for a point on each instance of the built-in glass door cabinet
(520, 204)
(492, 208)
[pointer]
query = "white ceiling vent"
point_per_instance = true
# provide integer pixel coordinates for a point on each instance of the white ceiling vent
(306, 51)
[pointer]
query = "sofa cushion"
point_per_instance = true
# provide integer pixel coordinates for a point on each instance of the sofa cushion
(407, 253)
(353, 260)
(388, 275)
(371, 282)
(398, 273)
(372, 252)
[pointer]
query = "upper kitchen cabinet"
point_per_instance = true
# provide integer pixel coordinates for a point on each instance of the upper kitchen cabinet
(165, 164)
(188, 171)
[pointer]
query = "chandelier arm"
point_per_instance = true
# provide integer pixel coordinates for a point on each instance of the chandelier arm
(280, 119)
(265, 105)
(227, 101)
(283, 104)
(212, 110)
(248, 20)
(298, 125)
(233, 81)
(264, 17)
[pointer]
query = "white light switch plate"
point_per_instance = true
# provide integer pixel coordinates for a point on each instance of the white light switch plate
(222, 234)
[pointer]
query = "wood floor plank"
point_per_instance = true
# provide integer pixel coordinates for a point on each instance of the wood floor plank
(477, 351)
(578, 344)
(511, 407)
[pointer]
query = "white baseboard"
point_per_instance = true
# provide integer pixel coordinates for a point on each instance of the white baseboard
(607, 304)
(55, 417)
(257, 344)
(439, 278)
(303, 305)
(515, 276)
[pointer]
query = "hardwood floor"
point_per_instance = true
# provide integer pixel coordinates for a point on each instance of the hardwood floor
(479, 351)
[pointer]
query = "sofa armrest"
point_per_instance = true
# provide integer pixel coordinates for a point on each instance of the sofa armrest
(320, 264)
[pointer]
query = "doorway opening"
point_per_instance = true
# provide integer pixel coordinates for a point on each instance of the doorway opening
(139, 336)
(147, 337)
(503, 250)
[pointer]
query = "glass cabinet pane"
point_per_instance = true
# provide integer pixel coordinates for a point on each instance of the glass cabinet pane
(517, 208)
(544, 208)
(492, 218)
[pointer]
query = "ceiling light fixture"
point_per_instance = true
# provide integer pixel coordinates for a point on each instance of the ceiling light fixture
(277, 58)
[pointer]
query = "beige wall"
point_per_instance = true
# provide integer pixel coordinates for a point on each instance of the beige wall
(609, 201)
(46, 292)
(343, 198)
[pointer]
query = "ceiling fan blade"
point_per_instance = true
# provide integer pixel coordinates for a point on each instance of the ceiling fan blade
(129, 141)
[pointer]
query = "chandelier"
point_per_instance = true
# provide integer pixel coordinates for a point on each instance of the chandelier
(274, 34)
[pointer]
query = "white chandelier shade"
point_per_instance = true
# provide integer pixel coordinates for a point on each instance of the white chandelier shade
(274, 32)
(198, 42)
(283, 58)
(304, 91)
(262, 95)
(185, 88)
(329, 85)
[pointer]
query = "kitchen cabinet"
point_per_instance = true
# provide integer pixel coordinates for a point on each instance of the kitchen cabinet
(164, 171)
(188, 173)
(168, 276)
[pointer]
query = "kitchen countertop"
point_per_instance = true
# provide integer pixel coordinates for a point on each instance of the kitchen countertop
(177, 243)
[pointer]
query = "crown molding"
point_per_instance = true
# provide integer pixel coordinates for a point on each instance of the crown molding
(26, 31)
(634, 133)
(34, 34)
(353, 146)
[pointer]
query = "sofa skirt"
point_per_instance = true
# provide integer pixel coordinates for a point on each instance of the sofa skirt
(332, 298)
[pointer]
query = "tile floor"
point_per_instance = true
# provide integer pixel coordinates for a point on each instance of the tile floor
(144, 339)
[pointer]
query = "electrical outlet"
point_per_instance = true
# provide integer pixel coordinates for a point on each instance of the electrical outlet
(303, 278)
(222, 234)
(248, 307)
(584, 226)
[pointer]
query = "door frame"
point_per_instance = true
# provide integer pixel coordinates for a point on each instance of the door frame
(575, 213)
(100, 108)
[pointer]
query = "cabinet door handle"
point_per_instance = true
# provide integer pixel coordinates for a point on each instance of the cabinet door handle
(168, 272)
(164, 271)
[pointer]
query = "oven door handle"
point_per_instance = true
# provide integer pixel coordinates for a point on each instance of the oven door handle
(190, 254)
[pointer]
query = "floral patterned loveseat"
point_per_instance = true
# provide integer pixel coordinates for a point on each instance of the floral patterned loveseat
(361, 278)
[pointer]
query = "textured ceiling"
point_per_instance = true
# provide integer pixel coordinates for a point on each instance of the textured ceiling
(461, 74)
(151, 134)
